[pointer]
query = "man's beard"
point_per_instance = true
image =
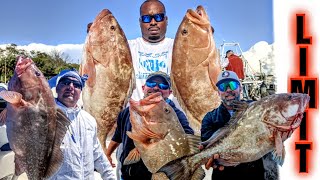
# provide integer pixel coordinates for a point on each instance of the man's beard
(153, 38)
(228, 102)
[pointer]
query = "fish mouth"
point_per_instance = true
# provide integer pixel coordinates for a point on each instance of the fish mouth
(104, 13)
(305, 101)
(22, 65)
(199, 16)
(144, 105)
(200, 11)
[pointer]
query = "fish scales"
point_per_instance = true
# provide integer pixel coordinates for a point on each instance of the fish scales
(108, 63)
(35, 126)
(195, 67)
(157, 132)
(259, 128)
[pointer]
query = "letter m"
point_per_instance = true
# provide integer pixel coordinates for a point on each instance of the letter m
(307, 86)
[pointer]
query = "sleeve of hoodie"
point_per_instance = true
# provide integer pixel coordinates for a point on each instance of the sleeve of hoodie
(183, 121)
(101, 163)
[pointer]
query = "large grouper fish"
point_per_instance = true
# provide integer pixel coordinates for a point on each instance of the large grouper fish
(157, 133)
(253, 131)
(195, 67)
(35, 126)
(108, 63)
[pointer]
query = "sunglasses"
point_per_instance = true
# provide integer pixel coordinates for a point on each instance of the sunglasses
(67, 82)
(148, 18)
(160, 85)
(232, 84)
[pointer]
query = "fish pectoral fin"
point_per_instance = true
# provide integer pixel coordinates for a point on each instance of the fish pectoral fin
(279, 153)
(239, 105)
(19, 167)
(136, 137)
(56, 158)
(150, 134)
(3, 116)
(132, 86)
(227, 163)
(133, 157)
(177, 169)
(159, 176)
(193, 142)
(11, 96)
(88, 67)
(219, 134)
(198, 174)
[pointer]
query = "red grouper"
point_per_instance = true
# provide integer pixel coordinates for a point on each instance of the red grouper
(35, 126)
(253, 131)
(108, 63)
(195, 67)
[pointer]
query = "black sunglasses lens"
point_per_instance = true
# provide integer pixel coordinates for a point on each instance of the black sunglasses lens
(163, 86)
(67, 82)
(146, 18)
(158, 17)
(77, 85)
(221, 87)
(151, 84)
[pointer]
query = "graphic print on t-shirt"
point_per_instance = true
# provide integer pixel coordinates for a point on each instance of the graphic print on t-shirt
(151, 62)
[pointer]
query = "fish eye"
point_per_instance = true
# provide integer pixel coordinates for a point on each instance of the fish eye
(113, 28)
(184, 32)
(166, 110)
(37, 73)
(289, 97)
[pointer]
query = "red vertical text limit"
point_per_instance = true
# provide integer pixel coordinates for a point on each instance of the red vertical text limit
(303, 83)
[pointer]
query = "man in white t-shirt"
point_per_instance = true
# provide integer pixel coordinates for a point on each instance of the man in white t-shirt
(153, 51)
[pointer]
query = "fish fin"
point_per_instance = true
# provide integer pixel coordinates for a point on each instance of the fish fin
(150, 134)
(3, 116)
(279, 152)
(147, 134)
(159, 176)
(240, 105)
(112, 130)
(214, 68)
(198, 174)
(11, 96)
(133, 157)
(134, 137)
(177, 169)
(132, 86)
(19, 167)
(227, 163)
(194, 123)
(56, 157)
(88, 67)
(219, 134)
(193, 142)
(222, 132)
(177, 94)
